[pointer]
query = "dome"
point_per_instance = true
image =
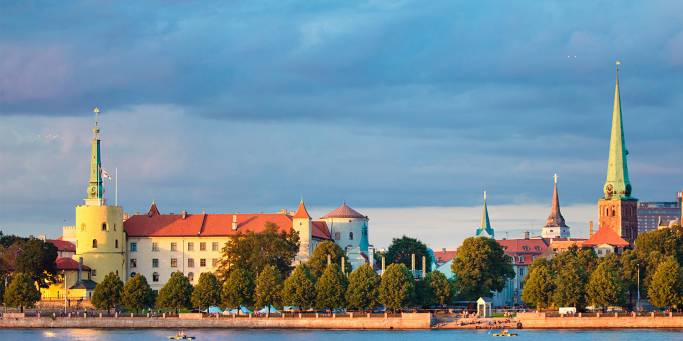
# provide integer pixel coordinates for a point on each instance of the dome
(344, 211)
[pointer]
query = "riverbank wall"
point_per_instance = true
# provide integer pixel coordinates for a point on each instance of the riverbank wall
(404, 321)
(599, 321)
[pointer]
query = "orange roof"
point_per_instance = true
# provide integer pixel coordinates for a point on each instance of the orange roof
(320, 230)
(62, 245)
(565, 244)
(344, 211)
(301, 212)
(608, 236)
(444, 256)
(63, 263)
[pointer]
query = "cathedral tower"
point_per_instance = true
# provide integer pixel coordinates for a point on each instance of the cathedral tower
(555, 226)
(617, 210)
(100, 239)
(485, 229)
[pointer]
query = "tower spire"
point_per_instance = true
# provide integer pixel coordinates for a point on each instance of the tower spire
(555, 219)
(617, 184)
(485, 224)
(95, 188)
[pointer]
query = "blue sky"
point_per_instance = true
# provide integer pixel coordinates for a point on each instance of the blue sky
(391, 105)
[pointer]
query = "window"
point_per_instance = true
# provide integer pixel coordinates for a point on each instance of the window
(190, 276)
(104, 226)
(526, 248)
(214, 246)
(190, 262)
(155, 246)
(350, 235)
(93, 272)
(155, 277)
(214, 262)
(116, 243)
(202, 262)
(133, 247)
(155, 262)
(190, 246)
(114, 226)
(133, 263)
(202, 246)
(537, 248)
(336, 236)
(82, 227)
(521, 259)
(174, 262)
(174, 246)
(94, 243)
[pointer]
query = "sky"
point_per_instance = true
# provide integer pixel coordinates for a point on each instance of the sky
(406, 110)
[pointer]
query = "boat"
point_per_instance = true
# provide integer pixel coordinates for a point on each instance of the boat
(505, 332)
(181, 336)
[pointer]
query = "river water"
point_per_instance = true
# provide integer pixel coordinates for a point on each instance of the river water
(333, 335)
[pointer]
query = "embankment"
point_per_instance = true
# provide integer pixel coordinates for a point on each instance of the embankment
(540, 321)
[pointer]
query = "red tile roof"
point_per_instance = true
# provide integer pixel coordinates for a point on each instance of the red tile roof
(62, 245)
(606, 235)
(64, 263)
(301, 212)
(320, 230)
(444, 256)
(344, 211)
(523, 251)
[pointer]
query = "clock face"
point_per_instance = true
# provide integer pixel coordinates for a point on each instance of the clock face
(609, 189)
(93, 190)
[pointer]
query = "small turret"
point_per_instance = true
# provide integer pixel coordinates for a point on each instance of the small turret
(301, 222)
(485, 229)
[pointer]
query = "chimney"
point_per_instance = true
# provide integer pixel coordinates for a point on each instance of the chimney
(234, 222)
(526, 234)
(184, 214)
(80, 269)
(590, 228)
(443, 249)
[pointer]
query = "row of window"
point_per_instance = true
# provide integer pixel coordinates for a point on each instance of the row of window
(104, 227)
(94, 243)
(174, 246)
(155, 276)
(174, 262)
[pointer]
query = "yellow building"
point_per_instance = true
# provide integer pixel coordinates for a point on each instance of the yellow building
(78, 286)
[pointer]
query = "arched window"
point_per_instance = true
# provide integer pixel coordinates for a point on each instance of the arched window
(104, 226)
(82, 227)
(350, 235)
(155, 277)
(116, 243)
(94, 243)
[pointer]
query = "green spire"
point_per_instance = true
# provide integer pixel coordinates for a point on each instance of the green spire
(617, 184)
(485, 224)
(95, 189)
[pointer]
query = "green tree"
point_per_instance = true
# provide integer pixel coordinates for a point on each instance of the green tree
(256, 251)
(571, 271)
(176, 293)
(37, 258)
(268, 288)
(331, 288)
(396, 288)
(606, 286)
(539, 287)
(481, 267)
(238, 289)
(318, 260)
(668, 242)
(21, 291)
(402, 249)
(666, 285)
(207, 292)
(363, 290)
(137, 294)
(298, 290)
(107, 294)
(440, 287)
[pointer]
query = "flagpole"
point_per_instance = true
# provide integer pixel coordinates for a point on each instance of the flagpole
(116, 186)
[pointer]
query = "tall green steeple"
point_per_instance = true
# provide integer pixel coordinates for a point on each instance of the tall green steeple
(484, 229)
(95, 188)
(617, 184)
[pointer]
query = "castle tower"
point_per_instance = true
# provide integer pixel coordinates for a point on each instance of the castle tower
(100, 239)
(485, 229)
(617, 210)
(555, 227)
(301, 222)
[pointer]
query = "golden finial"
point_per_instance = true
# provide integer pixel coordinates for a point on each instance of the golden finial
(555, 177)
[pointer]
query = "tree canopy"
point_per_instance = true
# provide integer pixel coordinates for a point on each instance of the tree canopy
(439, 287)
(268, 288)
(21, 292)
(667, 284)
(137, 294)
(606, 286)
(298, 290)
(256, 251)
(363, 290)
(176, 293)
(207, 292)
(539, 286)
(238, 289)
(402, 249)
(36, 258)
(481, 268)
(317, 263)
(107, 294)
(331, 288)
(397, 287)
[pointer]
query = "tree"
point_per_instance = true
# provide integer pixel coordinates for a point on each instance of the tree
(268, 288)
(668, 242)
(606, 286)
(440, 287)
(401, 251)
(238, 289)
(176, 293)
(481, 267)
(107, 294)
(363, 288)
(37, 258)
(298, 289)
(318, 260)
(571, 271)
(396, 288)
(331, 288)
(207, 292)
(256, 251)
(21, 291)
(137, 294)
(666, 285)
(538, 287)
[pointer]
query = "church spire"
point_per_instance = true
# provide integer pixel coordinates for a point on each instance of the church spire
(95, 188)
(484, 228)
(617, 184)
(555, 219)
